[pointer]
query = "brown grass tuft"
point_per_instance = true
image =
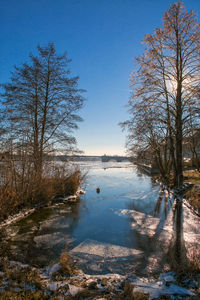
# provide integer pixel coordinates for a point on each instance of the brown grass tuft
(26, 190)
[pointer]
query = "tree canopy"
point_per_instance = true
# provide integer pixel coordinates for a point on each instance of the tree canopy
(164, 102)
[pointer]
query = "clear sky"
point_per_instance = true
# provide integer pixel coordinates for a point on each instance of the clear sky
(101, 37)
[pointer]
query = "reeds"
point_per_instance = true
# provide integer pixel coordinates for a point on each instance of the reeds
(21, 186)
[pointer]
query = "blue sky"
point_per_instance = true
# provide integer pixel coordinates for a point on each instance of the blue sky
(101, 37)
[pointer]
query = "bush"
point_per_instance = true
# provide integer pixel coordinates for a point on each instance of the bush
(193, 197)
(20, 188)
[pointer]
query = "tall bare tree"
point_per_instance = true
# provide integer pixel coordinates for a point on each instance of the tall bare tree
(42, 102)
(165, 87)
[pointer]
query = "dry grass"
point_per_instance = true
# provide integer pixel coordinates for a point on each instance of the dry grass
(25, 295)
(140, 296)
(66, 185)
(193, 195)
(18, 279)
(66, 262)
(23, 189)
(192, 176)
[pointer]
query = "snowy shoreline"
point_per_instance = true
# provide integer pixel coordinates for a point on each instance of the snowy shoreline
(98, 286)
(28, 211)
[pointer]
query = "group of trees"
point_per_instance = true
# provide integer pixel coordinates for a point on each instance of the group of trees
(39, 109)
(164, 104)
(39, 106)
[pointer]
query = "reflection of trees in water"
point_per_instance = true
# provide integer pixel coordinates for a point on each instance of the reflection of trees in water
(174, 241)
(158, 203)
(140, 172)
(164, 196)
(177, 250)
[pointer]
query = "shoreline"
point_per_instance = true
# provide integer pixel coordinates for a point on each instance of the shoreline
(55, 281)
(184, 188)
(25, 212)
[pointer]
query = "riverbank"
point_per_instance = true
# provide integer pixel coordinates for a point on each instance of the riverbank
(191, 177)
(23, 213)
(57, 181)
(193, 195)
(19, 281)
(147, 168)
(111, 245)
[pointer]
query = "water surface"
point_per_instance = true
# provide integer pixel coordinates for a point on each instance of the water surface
(130, 226)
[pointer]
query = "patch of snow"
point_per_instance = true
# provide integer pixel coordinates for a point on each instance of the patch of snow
(157, 289)
(19, 264)
(12, 219)
(95, 267)
(104, 249)
(109, 276)
(52, 269)
(167, 277)
(147, 223)
(72, 198)
(100, 287)
(74, 290)
(170, 290)
(55, 285)
(81, 192)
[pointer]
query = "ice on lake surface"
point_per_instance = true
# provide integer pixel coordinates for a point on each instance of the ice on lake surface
(128, 227)
(105, 250)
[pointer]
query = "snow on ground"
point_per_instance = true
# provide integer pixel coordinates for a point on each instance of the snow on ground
(12, 219)
(191, 232)
(99, 285)
(165, 285)
(159, 288)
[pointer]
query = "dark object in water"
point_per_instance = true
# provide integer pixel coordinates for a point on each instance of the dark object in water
(98, 190)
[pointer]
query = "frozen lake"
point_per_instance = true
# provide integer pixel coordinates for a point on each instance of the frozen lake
(131, 226)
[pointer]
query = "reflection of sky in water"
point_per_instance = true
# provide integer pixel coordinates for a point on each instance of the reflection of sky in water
(130, 212)
(120, 188)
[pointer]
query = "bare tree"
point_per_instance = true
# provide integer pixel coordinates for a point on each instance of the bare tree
(165, 87)
(42, 102)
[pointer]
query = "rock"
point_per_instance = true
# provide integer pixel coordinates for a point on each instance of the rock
(98, 190)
